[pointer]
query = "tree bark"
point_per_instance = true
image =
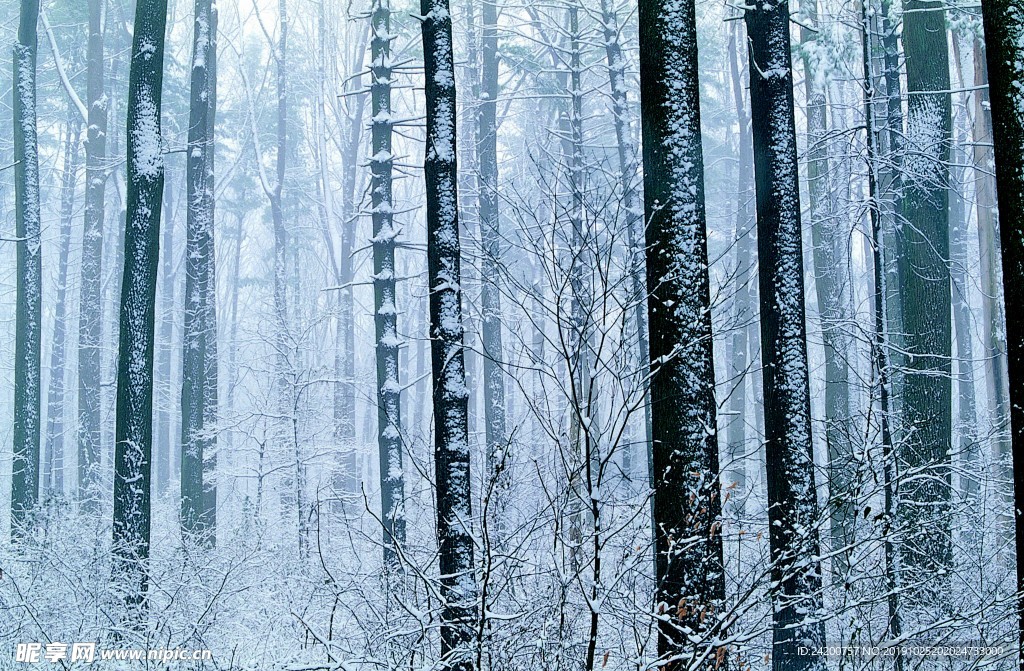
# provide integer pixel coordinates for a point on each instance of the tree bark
(134, 419)
(923, 265)
(690, 575)
(29, 291)
(90, 314)
(1004, 39)
(451, 440)
(199, 355)
(389, 421)
(792, 504)
(488, 208)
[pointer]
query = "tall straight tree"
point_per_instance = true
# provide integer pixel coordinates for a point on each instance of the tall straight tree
(925, 299)
(690, 575)
(389, 422)
(199, 356)
(1004, 40)
(627, 179)
(56, 393)
(90, 313)
(450, 395)
(489, 213)
(134, 418)
(29, 310)
(832, 286)
(792, 503)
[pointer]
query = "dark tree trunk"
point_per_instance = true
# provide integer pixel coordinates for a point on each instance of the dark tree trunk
(451, 439)
(923, 264)
(792, 504)
(389, 421)
(690, 578)
(1004, 39)
(90, 314)
(134, 422)
(199, 354)
(56, 396)
(29, 299)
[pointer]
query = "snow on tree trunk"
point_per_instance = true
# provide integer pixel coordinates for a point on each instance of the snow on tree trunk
(488, 204)
(687, 507)
(1004, 38)
(389, 421)
(451, 440)
(199, 356)
(134, 418)
(90, 314)
(923, 506)
(792, 503)
(29, 298)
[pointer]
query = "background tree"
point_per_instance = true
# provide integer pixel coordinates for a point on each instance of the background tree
(199, 357)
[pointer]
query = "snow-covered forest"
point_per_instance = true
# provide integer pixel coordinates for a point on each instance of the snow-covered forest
(488, 335)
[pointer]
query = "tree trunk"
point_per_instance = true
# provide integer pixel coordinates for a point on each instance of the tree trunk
(1004, 39)
(745, 307)
(345, 394)
(166, 441)
(690, 574)
(29, 311)
(389, 421)
(199, 354)
(792, 504)
(90, 314)
(56, 396)
(451, 440)
(923, 265)
(134, 423)
(880, 339)
(832, 284)
(993, 325)
(631, 206)
(490, 295)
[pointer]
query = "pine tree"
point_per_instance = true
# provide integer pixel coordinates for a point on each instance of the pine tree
(1004, 38)
(199, 356)
(134, 419)
(29, 299)
(690, 575)
(450, 395)
(792, 504)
